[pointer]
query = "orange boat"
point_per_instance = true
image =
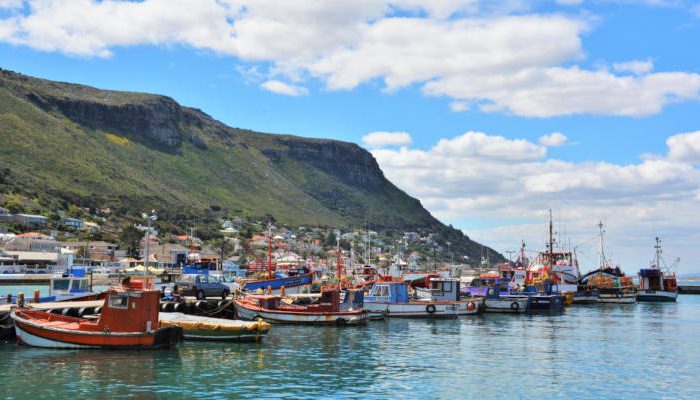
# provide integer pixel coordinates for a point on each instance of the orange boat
(129, 319)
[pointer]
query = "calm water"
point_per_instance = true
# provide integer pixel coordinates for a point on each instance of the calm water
(636, 351)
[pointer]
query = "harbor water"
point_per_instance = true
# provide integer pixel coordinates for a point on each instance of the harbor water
(640, 351)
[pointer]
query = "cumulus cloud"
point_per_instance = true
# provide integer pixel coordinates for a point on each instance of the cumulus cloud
(636, 67)
(382, 139)
(524, 64)
(684, 147)
(477, 176)
(280, 87)
(554, 139)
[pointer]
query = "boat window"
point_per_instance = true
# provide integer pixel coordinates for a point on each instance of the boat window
(61, 284)
(381, 291)
(83, 284)
(118, 300)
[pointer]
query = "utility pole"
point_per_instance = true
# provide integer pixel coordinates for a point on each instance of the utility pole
(149, 218)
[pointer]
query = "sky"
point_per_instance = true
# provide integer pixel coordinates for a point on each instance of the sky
(489, 112)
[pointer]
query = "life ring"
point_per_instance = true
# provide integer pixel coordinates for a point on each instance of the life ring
(430, 308)
(515, 306)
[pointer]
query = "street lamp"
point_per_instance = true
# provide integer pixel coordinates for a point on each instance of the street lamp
(149, 218)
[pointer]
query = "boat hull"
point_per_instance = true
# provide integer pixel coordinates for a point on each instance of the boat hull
(33, 333)
(506, 305)
(617, 298)
(417, 309)
(249, 312)
(656, 296)
(215, 329)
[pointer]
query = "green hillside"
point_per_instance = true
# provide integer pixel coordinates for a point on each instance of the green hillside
(66, 144)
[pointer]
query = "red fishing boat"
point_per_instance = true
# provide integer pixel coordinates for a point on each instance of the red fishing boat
(329, 309)
(129, 319)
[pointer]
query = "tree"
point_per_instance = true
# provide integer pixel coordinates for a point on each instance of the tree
(129, 240)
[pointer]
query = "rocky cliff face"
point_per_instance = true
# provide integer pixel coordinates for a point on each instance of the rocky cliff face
(131, 151)
(346, 161)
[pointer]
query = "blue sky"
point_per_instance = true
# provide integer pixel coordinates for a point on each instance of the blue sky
(465, 92)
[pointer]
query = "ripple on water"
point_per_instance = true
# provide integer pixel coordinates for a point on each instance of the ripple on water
(638, 351)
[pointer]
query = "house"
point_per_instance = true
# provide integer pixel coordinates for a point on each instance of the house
(32, 241)
(411, 236)
(90, 227)
(94, 252)
(30, 220)
(71, 223)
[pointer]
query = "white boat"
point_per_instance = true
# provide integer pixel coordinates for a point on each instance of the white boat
(391, 299)
(71, 287)
(654, 285)
(447, 289)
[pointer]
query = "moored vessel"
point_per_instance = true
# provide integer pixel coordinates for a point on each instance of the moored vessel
(328, 310)
(129, 319)
(654, 285)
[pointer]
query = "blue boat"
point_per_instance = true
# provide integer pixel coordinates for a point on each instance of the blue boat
(292, 284)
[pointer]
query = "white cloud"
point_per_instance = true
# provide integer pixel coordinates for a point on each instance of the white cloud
(284, 88)
(480, 177)
(382, 139)
(636, 67)
(524, 64)
(684, 147)
(458, 106)
(10, 4)
(554, 139)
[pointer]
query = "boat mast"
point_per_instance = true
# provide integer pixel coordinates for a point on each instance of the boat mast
(602, 246)
(269, 251)
(338, 259)
(551, 240)
(657, 258)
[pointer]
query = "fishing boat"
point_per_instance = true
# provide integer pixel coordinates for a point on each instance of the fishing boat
(129, 319)
(201, 328)
(391, 299)
(447, 289)
(328, 310)
(611, 284)
(494, 302)
(654, 285)
(70, 287)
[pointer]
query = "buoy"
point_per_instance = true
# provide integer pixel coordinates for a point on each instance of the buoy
(20, 299)
(98, 310)
(471, 306)
(36, 295)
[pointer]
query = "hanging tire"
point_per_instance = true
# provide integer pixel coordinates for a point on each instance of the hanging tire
(225, 294)
(341, 321)
(618, 295)
(515, 306)
(430, 308)
(200, 294)
(98, 310)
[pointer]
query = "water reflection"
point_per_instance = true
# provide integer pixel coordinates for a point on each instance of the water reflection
(637, 351)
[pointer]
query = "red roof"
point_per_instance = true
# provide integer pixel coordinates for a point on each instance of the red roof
(33, 234)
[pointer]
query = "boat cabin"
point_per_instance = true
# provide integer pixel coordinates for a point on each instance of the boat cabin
(388, 292)
(71, 284)
(440, 289)
(654, 279)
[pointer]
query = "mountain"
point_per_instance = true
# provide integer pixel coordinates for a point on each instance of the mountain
(68, 144)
